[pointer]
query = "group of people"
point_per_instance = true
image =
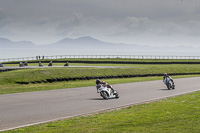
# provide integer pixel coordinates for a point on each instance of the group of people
(38, 57)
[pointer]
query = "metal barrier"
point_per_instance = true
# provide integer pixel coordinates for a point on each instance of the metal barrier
(100, 57)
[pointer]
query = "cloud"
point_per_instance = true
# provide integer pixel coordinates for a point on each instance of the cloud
(78, 23)
(193, 28)
(119, 19)
(43, 21)
(136, 25)
(167, 29)
(5, 23)
(1, 14)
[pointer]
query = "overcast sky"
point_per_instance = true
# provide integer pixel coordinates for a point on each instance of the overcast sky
(144, 22)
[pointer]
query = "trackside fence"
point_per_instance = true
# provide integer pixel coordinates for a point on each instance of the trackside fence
(100, 57)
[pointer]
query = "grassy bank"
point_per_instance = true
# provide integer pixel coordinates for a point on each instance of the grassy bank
(177, 114)
(45, 73)
(18, 88)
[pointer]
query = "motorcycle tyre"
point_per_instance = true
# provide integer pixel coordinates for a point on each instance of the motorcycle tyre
(104, 95)
(168, 86)
(173, 87)
(116, 94)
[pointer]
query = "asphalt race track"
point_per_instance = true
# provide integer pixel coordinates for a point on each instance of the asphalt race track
(24, 109)
(16, 67)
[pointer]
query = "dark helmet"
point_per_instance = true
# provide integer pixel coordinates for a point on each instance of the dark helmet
(98, 81)
(165, 74)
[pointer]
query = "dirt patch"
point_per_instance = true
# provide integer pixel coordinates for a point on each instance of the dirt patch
(45, 72)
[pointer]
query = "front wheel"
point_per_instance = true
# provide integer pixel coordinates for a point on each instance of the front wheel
(104, 95)
(173, 87)
(116, 94)
(168, 86)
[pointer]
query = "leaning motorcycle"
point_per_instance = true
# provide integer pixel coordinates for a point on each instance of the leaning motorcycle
(106, 92)
(170, 84)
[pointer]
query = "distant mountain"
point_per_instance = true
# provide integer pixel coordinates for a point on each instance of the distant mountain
(6, 43)
(86, 42)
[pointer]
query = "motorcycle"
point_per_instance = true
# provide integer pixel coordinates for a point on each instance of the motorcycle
(40, 64)
(50, 64)
(21, 64)
(66, 64)
(169, 84)
(106, 92)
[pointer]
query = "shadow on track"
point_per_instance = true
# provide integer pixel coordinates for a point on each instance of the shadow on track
(96, 99)
(102, 99)
(164, 89)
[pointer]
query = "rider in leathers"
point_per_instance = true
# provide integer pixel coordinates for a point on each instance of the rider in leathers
(104, 84)
(165, 79)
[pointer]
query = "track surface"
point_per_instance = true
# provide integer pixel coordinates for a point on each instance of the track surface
(23, 109)
(16, 67)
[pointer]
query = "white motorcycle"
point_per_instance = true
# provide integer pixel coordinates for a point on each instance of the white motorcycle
(106, 92)
(169, 84)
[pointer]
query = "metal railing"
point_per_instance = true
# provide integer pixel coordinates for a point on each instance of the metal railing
(99, 57)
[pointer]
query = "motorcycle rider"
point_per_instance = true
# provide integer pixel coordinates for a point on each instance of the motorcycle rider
(21, 64)
(26, 63)
(50, 63)
(40, 64)
(1, 65)
(98, 81)
(66, 64)
(165, 77)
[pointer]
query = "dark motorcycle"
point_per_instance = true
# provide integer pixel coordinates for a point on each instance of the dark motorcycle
(170, 84)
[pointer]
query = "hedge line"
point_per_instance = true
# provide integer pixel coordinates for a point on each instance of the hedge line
(100, 77)
(11, 69)
(5, 70)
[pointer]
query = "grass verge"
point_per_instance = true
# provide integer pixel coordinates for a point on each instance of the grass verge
(18, 88)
